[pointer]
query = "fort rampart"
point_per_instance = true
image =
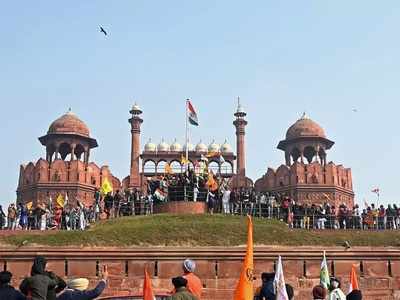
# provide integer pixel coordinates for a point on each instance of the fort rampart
(378, 268)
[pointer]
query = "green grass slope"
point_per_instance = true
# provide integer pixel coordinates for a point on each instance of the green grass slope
(199, 230)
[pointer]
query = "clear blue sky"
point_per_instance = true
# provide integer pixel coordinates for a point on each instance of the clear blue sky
(281, 57)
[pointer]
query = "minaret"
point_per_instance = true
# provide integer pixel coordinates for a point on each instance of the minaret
(240, 124)
(136, 122)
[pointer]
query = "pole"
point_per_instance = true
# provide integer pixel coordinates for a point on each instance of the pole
(187, 134)
(187, 150)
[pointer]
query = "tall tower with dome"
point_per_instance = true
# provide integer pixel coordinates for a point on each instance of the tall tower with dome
(306, 176)
(66, 168)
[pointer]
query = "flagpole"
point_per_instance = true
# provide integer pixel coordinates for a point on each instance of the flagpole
(187, 135)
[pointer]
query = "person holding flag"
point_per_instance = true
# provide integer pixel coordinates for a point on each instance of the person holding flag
(244, 288)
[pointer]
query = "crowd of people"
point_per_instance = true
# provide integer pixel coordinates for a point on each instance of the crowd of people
(46, 285)
(43, 284)
(74, 217)
(213, 190)
(267, 291)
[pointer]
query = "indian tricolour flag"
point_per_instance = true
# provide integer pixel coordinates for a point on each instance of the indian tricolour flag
(192, 116)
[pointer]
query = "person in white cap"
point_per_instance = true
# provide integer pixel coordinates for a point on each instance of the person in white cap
(194, 284)
(78, 288)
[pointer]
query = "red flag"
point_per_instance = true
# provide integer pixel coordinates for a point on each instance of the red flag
(353, 279)
(147, 288)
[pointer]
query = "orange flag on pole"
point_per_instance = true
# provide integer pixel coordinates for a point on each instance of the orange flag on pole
(353, 279)
(147, 288)
(244, 288)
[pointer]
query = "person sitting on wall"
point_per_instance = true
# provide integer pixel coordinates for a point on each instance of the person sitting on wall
(78, 288)
(7, 291)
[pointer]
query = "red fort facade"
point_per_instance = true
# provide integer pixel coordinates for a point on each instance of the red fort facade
(66, 170)
(306, 176)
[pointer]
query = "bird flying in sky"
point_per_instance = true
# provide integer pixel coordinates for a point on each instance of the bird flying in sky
(102, 30)
(355, 110)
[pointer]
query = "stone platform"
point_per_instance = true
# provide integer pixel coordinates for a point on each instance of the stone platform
(181, 207)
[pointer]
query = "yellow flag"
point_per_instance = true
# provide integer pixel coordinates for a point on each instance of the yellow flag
(184, 161)
(168, 169)
(244, 288)
(106, 187)
(60, 200)
(29, 205)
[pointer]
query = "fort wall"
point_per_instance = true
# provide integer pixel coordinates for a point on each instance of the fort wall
(219, 268)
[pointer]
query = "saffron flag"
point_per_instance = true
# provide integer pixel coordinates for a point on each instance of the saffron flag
(192, 115)
(147, 287)
(60, 201)
(244, 288)
(279, 282)
(353, 279)
(168, 169)
(324, 274)
(212, 184)
(106, 187)
(29, 205)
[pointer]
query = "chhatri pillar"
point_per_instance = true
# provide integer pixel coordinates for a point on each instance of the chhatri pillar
(136, 122)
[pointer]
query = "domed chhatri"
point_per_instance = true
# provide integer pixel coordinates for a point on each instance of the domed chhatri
(69, 123)
(226, 148)
(306, 176)
(305, 127)
(305, 139)
(163, 146)
(214, 147)
(189, 146)
(150, 147)
(176, 147)
(201, 147)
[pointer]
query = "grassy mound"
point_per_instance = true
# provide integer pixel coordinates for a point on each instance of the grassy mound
(199, 230)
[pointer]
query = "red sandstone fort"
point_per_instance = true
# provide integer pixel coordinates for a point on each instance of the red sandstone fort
(306, 176)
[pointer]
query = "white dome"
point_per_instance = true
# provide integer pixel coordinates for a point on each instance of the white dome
(190, 147)
(226, 148)
(163, 146)
(201, 147)
(176, 147)
(150, 147)
(214, 147)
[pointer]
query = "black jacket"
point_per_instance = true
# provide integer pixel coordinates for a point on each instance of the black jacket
(61, 285)
(38, 286)
(9, 293)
